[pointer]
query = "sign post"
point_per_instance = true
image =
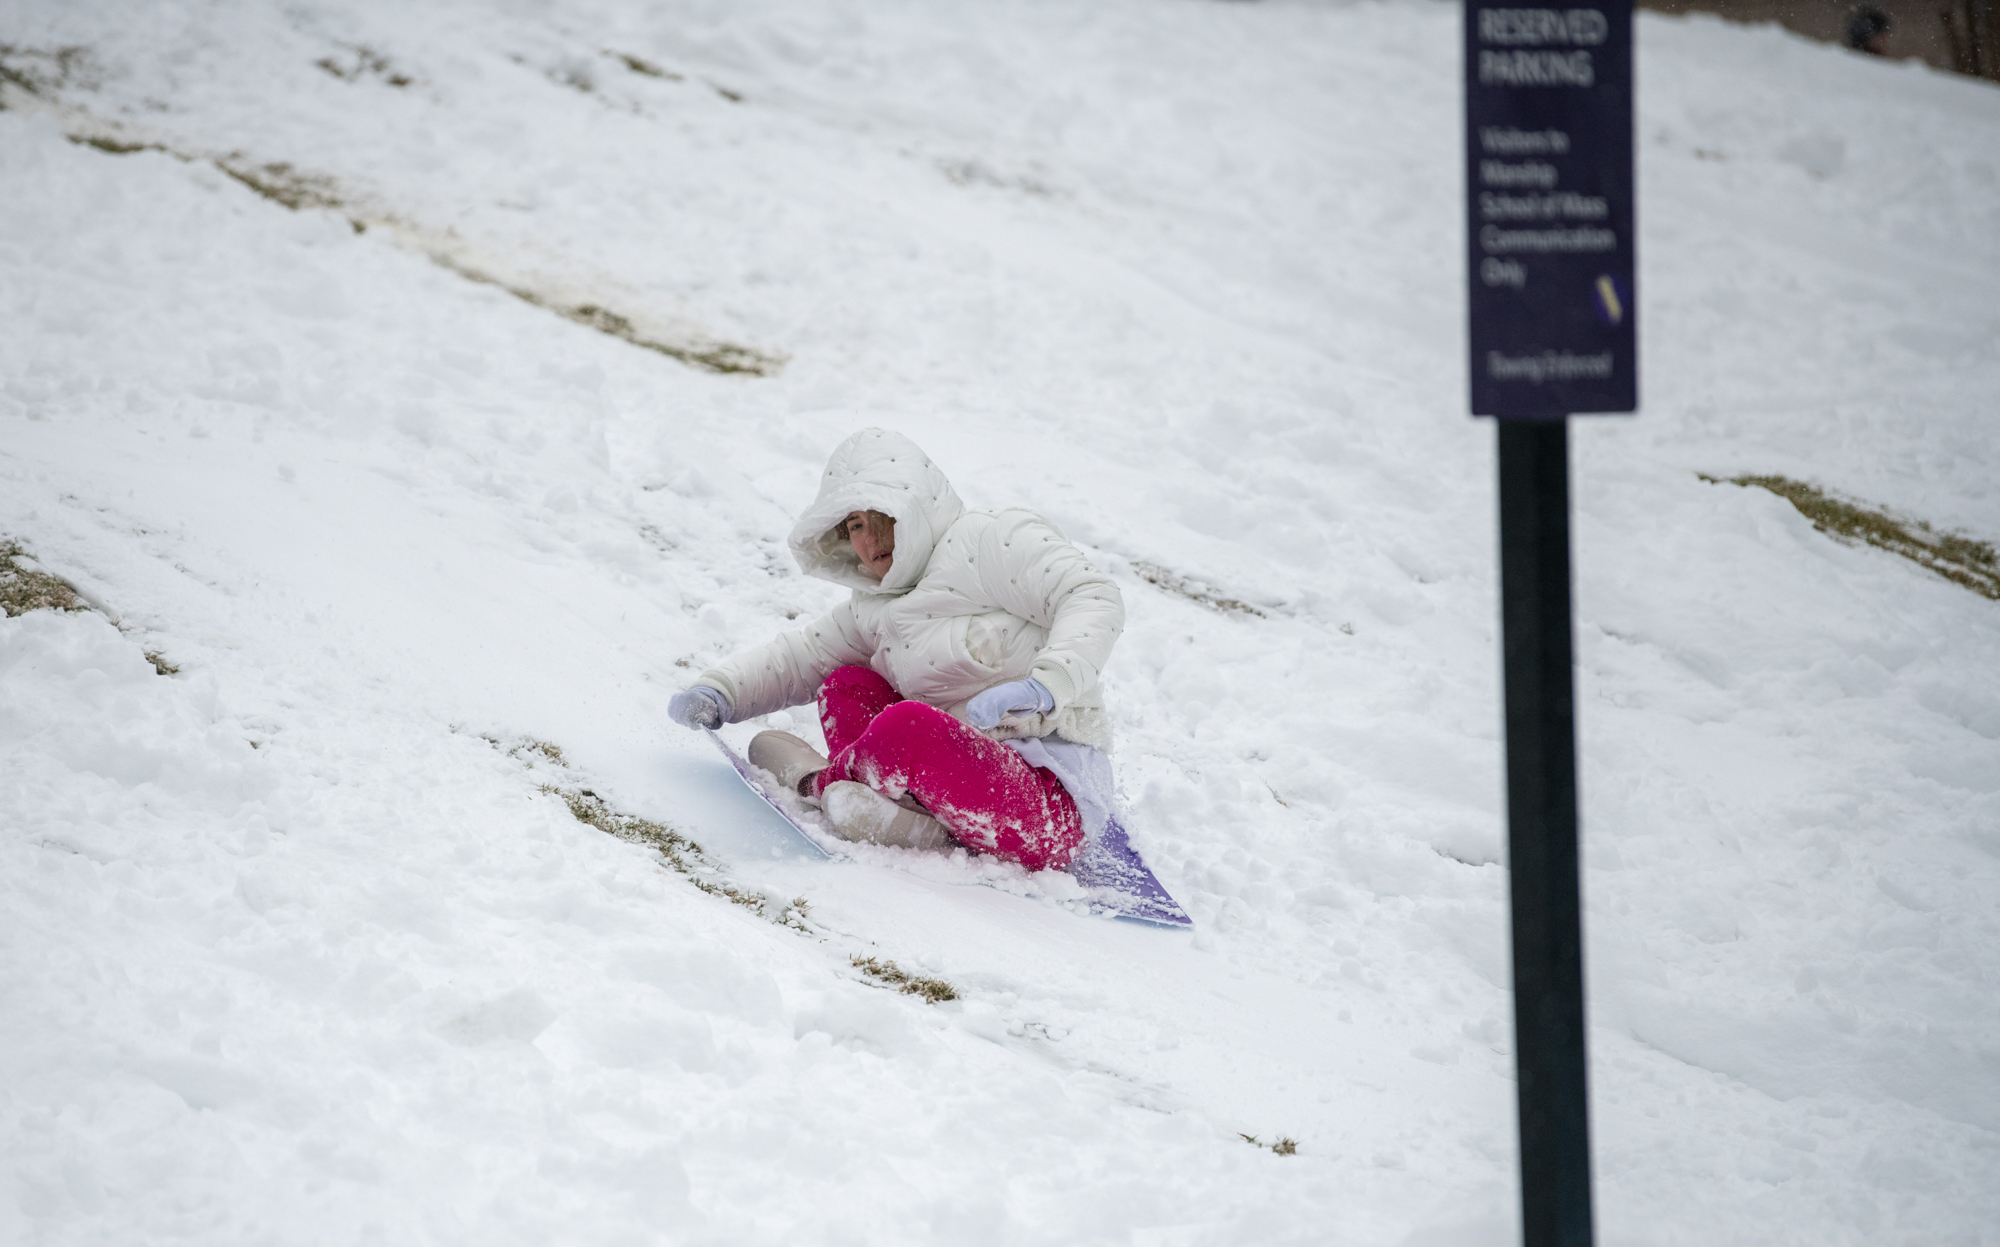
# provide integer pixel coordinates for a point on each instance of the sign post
(1549, 199)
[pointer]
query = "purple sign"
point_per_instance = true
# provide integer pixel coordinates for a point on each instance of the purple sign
(1548, 179)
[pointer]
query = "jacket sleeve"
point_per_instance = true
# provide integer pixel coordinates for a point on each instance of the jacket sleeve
(788, 669)
(1029, 569)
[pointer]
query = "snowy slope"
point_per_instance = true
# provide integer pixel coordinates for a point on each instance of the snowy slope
(295, 952)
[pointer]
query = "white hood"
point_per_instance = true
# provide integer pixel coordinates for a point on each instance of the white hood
(876, 470)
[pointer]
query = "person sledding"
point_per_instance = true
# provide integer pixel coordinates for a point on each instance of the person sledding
(957, 686)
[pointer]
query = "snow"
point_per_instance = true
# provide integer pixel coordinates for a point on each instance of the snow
(297, 949)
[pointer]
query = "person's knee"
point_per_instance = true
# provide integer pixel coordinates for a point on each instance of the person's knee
(914, 721)
(853, 688)
(854, 678)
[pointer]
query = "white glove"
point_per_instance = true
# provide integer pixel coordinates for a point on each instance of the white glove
(1020, 697)
(700, 706)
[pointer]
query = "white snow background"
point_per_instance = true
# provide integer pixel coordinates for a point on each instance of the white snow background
(291, 953)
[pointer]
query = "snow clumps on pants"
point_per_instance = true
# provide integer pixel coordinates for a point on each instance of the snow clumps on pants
(984, 793)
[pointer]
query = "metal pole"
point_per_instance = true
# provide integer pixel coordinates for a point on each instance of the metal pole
(1552, 1090)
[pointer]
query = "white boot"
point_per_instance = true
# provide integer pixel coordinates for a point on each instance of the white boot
(862, 814)
(784, 755)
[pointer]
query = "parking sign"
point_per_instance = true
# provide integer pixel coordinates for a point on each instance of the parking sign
(1548, 179)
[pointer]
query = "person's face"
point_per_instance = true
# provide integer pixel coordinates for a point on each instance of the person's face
(875, 555)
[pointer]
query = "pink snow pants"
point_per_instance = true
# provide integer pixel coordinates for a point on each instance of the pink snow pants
(985, 794)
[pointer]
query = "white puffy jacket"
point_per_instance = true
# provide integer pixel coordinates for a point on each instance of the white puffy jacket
(971, 600)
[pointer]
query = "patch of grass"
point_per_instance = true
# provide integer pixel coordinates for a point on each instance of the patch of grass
(24, 589)
(889, 974)
(639, 65)
(718, 357)
(115, 147)
(280, 183)
(26, 79)
(1193, 591)
(1955, 556)
(587, 807)
(1285, 1146)
(682, 854)
(549, 751)
(42, 72)
(366, 62)
(678, 851)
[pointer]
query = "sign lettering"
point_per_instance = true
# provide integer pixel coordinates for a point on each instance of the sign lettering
(1549, 191)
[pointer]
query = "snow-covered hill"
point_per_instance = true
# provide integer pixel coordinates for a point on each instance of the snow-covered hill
(303, 943)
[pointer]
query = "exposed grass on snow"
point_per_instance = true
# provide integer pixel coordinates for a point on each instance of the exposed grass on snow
(280, 183)
(1193, 590)
(718, 357)
(114, 146)
(1285, 1145)
(889, 974)
(687, 858)
(680, 853)
(723, 357)
(547, 749)
(726, 358)
(284, 184)
(24, 589)
(42, 72)
(1958, 558)
(640, 65)
(364, 62)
